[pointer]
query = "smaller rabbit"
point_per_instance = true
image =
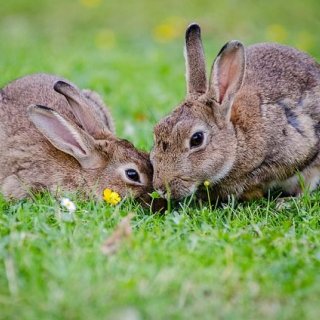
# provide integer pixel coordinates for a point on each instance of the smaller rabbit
(54, 136)
(250, 128)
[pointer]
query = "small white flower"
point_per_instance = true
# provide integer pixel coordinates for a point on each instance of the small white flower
(68, 204)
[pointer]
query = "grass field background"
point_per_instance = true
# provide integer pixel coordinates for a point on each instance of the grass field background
(248, 261)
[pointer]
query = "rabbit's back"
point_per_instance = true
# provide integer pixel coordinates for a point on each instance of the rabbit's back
(280, 83)
(278, 72)
(19, 94)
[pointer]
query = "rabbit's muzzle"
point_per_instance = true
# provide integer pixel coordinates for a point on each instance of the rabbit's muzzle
(176, 188)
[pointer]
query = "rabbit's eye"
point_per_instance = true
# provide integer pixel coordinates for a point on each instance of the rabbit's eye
(133, 175)
(196, 139)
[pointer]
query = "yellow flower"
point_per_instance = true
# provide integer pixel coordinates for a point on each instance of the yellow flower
(170, 29)
(105, 39)
(277, 33)
(90, 3)
(111, 197)
(206, 183)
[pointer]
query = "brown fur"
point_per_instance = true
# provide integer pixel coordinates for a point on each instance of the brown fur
(261, 118)
(30, 162)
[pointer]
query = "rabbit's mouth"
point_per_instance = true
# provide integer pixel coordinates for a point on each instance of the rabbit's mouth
(178, 189)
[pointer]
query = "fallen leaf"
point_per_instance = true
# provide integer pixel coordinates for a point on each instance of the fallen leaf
(122, 232)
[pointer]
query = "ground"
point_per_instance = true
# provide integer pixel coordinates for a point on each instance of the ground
(240, 261)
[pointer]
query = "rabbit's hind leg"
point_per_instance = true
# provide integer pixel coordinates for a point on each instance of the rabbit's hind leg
(12, 188)
(307, 180)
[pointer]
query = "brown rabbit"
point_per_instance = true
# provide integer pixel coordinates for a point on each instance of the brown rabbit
(52, 136)
(251, 128)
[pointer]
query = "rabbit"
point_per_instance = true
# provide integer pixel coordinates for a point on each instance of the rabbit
(251, 128)
(54, 137)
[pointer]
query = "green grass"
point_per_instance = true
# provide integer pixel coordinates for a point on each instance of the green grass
(245, 261)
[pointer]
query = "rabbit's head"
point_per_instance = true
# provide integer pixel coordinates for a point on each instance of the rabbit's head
(197, 141)
(98, 159)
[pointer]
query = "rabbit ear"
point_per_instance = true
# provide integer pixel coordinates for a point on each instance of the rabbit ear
(64, 136)
(195, 63)
(227, 73)
(89, 118)
(100, 108)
